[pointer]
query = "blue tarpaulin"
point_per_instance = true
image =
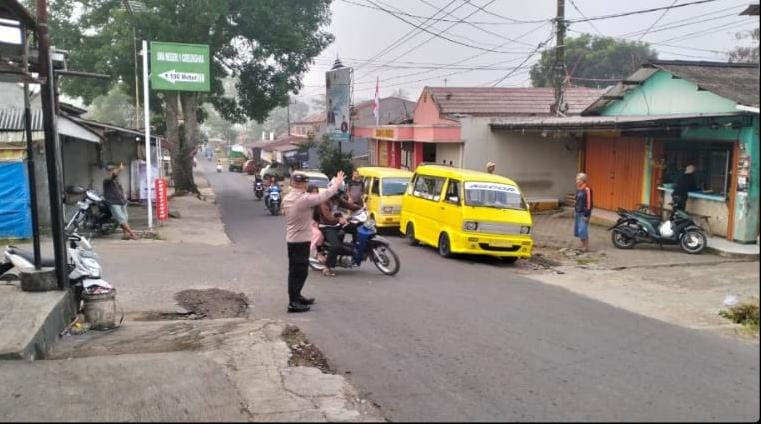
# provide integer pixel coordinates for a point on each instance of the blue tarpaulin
(15, 214)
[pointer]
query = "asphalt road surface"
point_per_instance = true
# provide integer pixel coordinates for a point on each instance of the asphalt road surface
(469, 340)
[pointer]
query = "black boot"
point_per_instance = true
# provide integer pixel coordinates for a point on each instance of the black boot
(297, 307)
(306, 300)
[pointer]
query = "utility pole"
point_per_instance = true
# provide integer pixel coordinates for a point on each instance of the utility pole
(559, 68)
(52, 144)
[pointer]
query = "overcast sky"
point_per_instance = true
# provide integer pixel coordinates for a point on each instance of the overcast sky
(362, 33)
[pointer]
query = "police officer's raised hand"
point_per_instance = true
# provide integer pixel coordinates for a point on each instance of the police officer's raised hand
(339, 179)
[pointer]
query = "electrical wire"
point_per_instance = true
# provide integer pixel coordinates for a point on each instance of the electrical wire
(637, 12)
(514, 22)
(573, 3)
(656, 21)
(538, 47)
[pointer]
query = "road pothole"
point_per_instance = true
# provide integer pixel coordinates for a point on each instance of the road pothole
(303, 352)
(213, 303)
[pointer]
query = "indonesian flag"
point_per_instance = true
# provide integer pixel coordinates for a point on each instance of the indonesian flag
(376, 105)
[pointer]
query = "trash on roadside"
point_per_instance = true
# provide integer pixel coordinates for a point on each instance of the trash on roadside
(731, 300)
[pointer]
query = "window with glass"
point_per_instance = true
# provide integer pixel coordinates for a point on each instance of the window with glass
(712, 164)
(453, 192)
(393, 186)
(428, 188)
(493, 195)
(375, 188)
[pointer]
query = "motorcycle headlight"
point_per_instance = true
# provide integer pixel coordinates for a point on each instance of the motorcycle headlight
(470, 226)
(525, 229)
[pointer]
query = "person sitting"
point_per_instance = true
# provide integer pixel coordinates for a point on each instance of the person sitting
(331, 220)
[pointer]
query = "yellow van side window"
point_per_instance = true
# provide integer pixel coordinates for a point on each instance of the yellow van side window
(428, 188)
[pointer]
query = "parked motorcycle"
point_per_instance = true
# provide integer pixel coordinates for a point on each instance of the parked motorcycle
(635, 227)
(83, 263)
(258, 189)
(272, 199)
(93, 213)
(366, 244)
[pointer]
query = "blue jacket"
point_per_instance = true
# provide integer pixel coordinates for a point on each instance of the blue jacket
(584, 201)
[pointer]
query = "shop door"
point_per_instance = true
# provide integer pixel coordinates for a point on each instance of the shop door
(615, 167)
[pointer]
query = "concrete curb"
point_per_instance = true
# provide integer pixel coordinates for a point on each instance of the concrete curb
(732, 255)
(39, 343)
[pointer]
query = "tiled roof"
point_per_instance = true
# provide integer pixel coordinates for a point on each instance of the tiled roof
(508, 101)
(312, 119)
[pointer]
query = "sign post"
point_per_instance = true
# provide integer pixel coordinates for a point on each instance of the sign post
(174, 67)
(147, 112)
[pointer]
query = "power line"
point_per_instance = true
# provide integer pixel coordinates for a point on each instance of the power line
(408, 35)
(637, 12)
(489, 12)
(573, 3)
(690, 18)
(656, 21)
(538, 47)
(513, 22)
(667, 28)
(705, 31)
(441, 36)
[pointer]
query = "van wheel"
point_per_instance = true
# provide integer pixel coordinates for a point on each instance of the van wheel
(445, 248)
(410, 235)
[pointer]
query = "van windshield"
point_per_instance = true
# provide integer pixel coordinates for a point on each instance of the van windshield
(394, 186)
(319, 182)
(493, 195)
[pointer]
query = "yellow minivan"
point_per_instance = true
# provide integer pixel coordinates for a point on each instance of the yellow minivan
(462, 211)
(383, 192)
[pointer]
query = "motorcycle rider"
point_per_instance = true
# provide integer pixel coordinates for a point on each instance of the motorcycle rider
(268, 187)
(113, 193)
(331, 221)
(355, 187)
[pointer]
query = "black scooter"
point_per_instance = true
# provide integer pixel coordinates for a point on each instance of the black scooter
(635, 227)
(258, 189)
(93, 212)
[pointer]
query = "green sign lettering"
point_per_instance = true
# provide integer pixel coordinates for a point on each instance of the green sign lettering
(180, 67)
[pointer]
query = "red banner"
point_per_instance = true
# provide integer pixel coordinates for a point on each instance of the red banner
(162, 203)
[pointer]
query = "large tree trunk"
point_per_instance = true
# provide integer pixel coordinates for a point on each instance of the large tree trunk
(186, 145)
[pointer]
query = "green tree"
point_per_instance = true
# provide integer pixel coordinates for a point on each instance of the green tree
(593, 61)
(266, 45)
(215, 126)
(115, 107)
(331, 160)
(745, 54)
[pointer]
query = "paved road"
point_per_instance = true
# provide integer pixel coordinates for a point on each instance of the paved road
(468, 340)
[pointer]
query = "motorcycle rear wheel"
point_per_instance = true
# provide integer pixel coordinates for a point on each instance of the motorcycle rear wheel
(621, 240)
(385, 259)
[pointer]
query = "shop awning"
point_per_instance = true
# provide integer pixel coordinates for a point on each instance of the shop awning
(577, 123)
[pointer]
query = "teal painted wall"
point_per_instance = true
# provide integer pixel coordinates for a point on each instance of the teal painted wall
(662, 95)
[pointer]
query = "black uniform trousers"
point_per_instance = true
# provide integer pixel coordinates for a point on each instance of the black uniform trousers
(298, 269)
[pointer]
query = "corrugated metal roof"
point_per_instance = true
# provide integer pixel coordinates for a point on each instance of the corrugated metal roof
(594, 122)
(507, 101)
(313, 118)
(12, 119)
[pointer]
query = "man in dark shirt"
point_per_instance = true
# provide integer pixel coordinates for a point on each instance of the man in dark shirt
(114, 195)
(684, 184)
(355, 187)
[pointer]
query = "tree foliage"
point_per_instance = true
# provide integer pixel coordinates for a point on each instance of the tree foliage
(265, 46)
(114, 107)
(593, 60)
(331, 160)
(745, 54)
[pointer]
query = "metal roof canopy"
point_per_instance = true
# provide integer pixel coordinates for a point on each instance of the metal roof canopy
(607, 123)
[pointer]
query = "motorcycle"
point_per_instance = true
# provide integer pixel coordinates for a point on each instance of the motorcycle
(219, 167)
(93, 213)
(366, 244)
(635, 227)
(258, 189)
(272, 199)
(83, 264)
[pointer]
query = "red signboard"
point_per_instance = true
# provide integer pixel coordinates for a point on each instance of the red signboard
(162, 203)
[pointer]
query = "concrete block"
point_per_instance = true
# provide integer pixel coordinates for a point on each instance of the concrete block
(38, 280)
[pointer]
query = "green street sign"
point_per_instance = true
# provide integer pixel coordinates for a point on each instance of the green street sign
(180, 67)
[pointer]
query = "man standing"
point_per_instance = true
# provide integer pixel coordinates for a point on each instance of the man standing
(298, 206)
(583, 211)
(354, 187)
(490, 167)
(684, 184)
(114, 195)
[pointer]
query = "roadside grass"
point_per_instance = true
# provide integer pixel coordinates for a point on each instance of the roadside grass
(745, 314)
(586, 261)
